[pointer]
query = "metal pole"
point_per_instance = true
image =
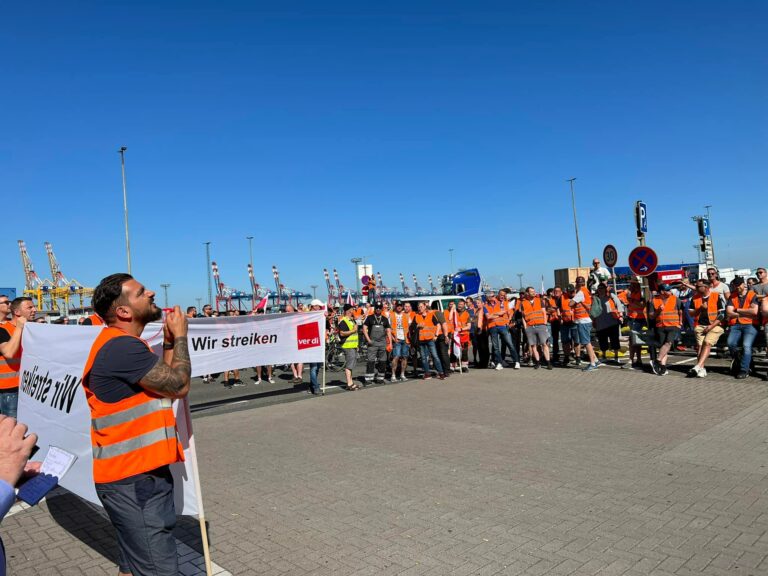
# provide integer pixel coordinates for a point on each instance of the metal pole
(125, 208)
(199, 305)
(250, 250)
(165, 292)
(575, 222)
(711, 239)
(357, 261)
(520, 278)
(450, 250)
(208, 270)
(314, 290)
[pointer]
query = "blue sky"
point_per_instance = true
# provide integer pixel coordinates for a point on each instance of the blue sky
(391, 130)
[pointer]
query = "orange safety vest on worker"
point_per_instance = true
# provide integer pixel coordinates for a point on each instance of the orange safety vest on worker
(498, 308)
(613, 309)
(623, 297)
(427, 326)
(635, 307)
(403, 321)
(462, 319)
(748, 301)
(96, 320)
(533, 311)
(581, 309)
(9, 367)
(698, 303)
(667, 314)
(566, 313)
(554, 314)
(132, 436)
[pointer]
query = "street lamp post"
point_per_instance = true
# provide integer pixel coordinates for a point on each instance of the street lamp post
(450, 251)
(314, 290)
(125, 207)
(711, 240)
(357, 261)
(520, 279)
(575, 222)
(165, 294)
(208, 270)
(250, 250)
(199, 304)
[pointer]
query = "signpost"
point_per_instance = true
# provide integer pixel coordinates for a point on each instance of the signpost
(641, 219)
(643, 261)
(610, 257)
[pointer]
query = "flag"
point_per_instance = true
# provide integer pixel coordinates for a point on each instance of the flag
(349, 298)
(262, 304)
(454, 321)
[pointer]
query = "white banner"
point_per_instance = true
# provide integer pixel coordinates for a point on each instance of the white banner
(229, 342)
(52, 401)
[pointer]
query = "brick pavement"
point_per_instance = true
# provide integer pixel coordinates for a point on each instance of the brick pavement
(528, 472)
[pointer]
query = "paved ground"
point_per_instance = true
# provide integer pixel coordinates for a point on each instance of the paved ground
(512, 472)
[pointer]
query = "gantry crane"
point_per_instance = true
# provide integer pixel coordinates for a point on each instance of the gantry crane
(65, 290)
(40, 290)
(225, 295)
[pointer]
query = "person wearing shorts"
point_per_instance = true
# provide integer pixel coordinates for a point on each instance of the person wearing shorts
(534, 311)
(399, 322)
(707, 308)
(347, 329)
(668, 316)
(568, 330)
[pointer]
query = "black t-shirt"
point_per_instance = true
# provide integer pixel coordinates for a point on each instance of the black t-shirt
(119, 367)
(371, 321)
(703, 314)
(4, 335)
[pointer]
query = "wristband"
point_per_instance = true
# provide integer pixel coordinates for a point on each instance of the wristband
(167, 345)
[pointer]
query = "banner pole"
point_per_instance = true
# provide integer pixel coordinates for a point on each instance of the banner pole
(323, 388)
(198, 491)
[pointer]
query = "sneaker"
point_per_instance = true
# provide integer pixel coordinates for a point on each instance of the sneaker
(441, 376)
(680, 348)
(536, 366)
(238, 382)
(491, 365)
(446, 374)
(598, 363)
(741, 375)
(655, 368)
(379, 381)
(403, 379)
(664, 371)
(517, 366)
(271, 380)
(702, 373)
(589, 368)
(393, 379)
(693, 372)
(426, 376)
(465, 370)
(499, 366)
(206, 380)
(628, 366)
(257, 382)
(549, 365)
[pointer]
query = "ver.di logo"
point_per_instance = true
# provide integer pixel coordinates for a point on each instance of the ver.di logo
(307, 335)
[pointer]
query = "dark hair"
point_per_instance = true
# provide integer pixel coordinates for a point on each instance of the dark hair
(738, 281)
(107, 293)
(190, 308)
(16, 302)
(704, 281)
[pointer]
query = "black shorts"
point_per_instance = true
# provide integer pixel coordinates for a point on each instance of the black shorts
(667, 335)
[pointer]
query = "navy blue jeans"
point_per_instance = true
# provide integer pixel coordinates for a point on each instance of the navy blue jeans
(314, 368)
(744, 333)
(501, 334)
(9, 401)
(428, 349)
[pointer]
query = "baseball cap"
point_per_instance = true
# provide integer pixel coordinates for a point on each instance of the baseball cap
(378, 306)
(663, 287)
(348, 307)
(570, 287)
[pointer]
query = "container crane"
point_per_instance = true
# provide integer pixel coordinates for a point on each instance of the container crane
(40, 290)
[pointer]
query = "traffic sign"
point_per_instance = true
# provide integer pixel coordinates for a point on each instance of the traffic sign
(641, 217)
(365, 279)
(643, 261)
(705, 227)
(610, 255)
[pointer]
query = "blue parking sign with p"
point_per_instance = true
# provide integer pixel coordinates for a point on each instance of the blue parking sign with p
(705, 226)
(642, 217)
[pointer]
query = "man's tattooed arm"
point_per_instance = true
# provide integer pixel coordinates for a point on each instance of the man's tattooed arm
(171, 381)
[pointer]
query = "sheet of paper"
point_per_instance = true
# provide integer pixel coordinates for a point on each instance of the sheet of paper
(57, 462)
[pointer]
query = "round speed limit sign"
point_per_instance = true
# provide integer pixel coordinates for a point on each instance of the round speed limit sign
(610, 255)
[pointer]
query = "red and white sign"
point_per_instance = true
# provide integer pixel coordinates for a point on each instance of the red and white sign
(307, 335)
(670, 276)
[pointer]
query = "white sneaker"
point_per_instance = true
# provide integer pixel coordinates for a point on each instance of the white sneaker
(257, 382)
(403, 379)
(499, 366)
(393, 379)
(517, 365)
(271, 380)
(694, 371)
(702, 373)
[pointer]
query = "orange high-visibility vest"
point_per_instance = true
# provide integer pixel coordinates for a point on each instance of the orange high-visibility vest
(136, 434)
(96, 320)
(554, 315)
(566, 313)
(622, 294)
(427, 326)
(635, 307)
(462, 319)
(581, 309)
(498, 308)
(9, 367)
(533, 311)
(698, 304)
(667, 314)
(401, 319)
(748, 300)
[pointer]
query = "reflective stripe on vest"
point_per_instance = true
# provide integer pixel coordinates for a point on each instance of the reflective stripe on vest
(403, 320)
(9, 367)
(351, 340)
(748, 300)
(533, 312)
(712, 313)
(581, 309)
(131, 436)
(667, 314)
(498, 308)
(566, 314)
(427, 327)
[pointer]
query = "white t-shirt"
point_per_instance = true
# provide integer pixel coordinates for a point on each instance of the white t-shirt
(579, 298)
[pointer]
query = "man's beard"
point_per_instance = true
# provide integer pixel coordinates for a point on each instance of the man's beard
(152, 314)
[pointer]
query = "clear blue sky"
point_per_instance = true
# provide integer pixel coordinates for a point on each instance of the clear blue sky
(393, 131)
